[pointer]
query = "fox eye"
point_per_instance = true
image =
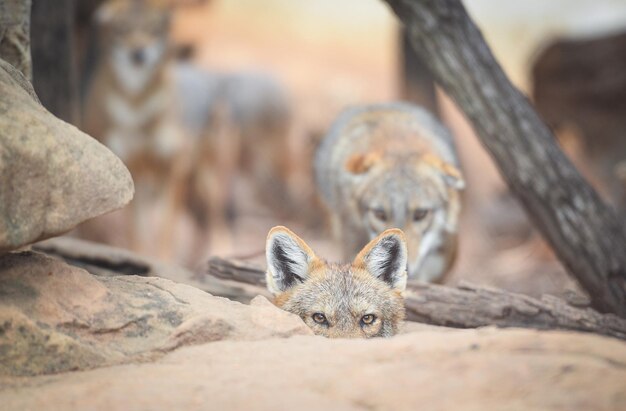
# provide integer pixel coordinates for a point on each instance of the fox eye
(319, 318)
(420, 214)
(380, 214)
(368, 319)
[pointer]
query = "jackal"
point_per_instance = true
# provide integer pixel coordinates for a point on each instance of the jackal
(393, 165)
(363, 299)
(130, 108)
(129, 105)
(181, 130)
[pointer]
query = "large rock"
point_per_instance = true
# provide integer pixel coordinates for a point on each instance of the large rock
(55, 317)
(52, 176)
(430, 370)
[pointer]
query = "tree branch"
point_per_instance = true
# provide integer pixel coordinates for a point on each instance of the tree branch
(585, 233)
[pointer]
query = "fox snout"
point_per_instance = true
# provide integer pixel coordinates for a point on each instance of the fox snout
(138, 56)
(362, 299)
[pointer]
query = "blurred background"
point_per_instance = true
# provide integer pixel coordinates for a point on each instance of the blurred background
(217, 106)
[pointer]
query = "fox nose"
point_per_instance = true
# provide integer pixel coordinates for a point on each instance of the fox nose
(138, 56)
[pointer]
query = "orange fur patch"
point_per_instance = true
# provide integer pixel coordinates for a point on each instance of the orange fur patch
(361, 163)
(438, 163)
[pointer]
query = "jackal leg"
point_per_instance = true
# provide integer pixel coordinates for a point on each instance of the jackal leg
(176, 187)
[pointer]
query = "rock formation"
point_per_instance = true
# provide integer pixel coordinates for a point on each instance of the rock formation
(52, 176)
(56, 318)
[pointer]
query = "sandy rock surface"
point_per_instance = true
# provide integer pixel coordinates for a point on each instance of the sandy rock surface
(55, 317)
(70, 340)
(451, 370)
(52, 176)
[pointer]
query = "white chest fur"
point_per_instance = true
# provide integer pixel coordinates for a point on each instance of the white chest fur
(129, 116)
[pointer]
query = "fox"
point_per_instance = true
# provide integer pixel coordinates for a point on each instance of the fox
(362, 299)
(393, 165)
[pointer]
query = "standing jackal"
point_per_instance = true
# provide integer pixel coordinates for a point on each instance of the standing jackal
(182, 131)
(359, 300)
(393, 165)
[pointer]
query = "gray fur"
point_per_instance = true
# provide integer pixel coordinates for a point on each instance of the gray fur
(400, 183)
(249, 98)
(326, 167)
(344, 300)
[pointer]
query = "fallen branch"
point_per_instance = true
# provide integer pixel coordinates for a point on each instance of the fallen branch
(466, 306)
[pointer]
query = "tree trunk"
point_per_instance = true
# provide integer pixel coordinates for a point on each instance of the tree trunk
(585, 233)
(15, 34)
(54, 64)
(466, 306)
(417, 84)
(582, 82)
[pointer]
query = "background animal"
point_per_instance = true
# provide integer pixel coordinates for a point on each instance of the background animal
(393, 165)
(358, 300)
(238, 124)
(130, 108)
(184, 132)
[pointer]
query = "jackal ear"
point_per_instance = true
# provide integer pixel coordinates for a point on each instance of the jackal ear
(104, 14)
(385, 257)
(451, 174)
(453, 177)
(289, 259)
(362, 162)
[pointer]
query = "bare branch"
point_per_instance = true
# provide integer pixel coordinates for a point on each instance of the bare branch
(585, 233)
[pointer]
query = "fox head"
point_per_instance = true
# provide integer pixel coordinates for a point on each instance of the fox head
(416, 192)
(363, 299)
(135, 35)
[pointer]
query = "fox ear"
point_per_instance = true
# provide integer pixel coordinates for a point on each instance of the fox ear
(288, 259)
(451, 175)
(385, 257)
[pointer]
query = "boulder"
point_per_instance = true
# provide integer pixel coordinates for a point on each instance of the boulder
(52, 176)
(55, 317)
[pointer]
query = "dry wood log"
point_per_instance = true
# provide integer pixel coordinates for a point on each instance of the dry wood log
(470, 306)
(585, 233)
(466, 306)
(235, 270)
